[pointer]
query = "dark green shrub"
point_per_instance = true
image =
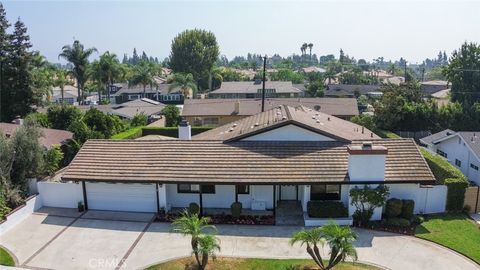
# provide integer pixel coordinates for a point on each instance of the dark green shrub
(170, 131)
(132, 133)
(393, 208)
(365, 200)
(236, 209)
(408, 207)
(193, 208)
(418, 219)
(326, 209)
(456, 193)
(400, 222)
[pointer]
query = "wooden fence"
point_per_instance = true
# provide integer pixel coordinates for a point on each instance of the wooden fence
(472, 199)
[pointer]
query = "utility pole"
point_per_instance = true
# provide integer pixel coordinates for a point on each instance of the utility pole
(263, 83)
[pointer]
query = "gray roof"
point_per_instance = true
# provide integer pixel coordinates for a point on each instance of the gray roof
(349, 89)
(223, 107)
(252, 87)
(139, 106)
(472, 139)
(126, 89)
(431, 87)
(437, 136)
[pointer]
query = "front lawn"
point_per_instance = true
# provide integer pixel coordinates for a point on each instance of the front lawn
(248, 264)
(5, 258)
(454, 231)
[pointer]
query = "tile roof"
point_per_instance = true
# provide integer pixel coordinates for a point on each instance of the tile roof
(239, 162)
(252, 87)
(222, 107)
(310, 119)
(49, 138)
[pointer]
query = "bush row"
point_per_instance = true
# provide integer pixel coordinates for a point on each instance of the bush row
(170, 131)
(396, 208)
(326, 209)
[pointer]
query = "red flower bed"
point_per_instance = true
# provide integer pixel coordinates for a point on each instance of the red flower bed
(226, 219)
(378, 226)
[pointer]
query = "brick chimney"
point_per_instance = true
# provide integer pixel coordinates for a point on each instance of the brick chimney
(366, 162)
(184, 130)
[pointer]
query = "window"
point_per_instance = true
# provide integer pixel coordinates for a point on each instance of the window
(190, 188)
(324, 192)
(441, 153)
(473, 166)
(243, 189)
(458, 163)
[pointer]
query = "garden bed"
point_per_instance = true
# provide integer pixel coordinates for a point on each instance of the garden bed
(378, 226)
(225, 219)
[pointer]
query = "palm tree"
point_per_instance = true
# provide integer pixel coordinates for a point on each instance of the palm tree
(61, 80)
(196, 227)
(339, 239)
(110, 68)
(310, 46)
(78, 56)
(186, 84)
(215, 73)
(143, 73)
(207, 245)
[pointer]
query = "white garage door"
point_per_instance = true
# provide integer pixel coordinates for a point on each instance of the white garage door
(121, 197)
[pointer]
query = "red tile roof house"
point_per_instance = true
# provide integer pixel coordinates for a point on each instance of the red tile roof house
(49, 137)
(272, 162)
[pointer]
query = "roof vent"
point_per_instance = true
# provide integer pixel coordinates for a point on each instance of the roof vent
(367, 145)
(230, 130)
(256, 124)
(235, 125)
(449, 133)
(284, 118)
(328, 118)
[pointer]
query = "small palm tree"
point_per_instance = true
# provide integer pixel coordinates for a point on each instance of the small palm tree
(186, 84)
(310, 46)
(61, 80)
(196, 227)
(207, 245)
(339, 239)
(143, 73)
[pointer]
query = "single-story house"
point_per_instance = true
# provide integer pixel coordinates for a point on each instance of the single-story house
(431, 87)
(128, 110)
(123, 93)
(461, 149)
(283, 155)
(351, 90)
(70, 94)
(49, 137)
(313, 69)
(253, 89)
(214, 112)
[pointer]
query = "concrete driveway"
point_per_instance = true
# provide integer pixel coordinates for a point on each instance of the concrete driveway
(62, 239)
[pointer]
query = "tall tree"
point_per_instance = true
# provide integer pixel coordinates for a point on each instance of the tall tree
(143, 74)
(110, 70)
(186, 84)
(78, 56)
(310, 46)
(464, 74)
(135, 58)
(195, 52)
(4, 42)
(61, 80)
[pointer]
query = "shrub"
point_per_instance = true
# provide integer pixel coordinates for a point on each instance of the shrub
(418, 219)
(393, 208)
(236, 209)
(456, 193)
(408, 206)
(132, 133)
(400, 222)
(366, 200)
(170, 131)
(53, 157)
(172, 115)
(139, 120)
(193, 208)
(326, 209)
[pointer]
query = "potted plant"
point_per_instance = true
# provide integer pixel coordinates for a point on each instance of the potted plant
(81, 207)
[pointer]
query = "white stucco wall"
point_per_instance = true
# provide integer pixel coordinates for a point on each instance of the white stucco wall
(289, 133)
(65, 195)
(428, 200)
(366, 167)
(21, 213)
(462, 152)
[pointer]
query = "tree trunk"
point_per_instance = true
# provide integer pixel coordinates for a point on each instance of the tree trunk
(61, 91)
(314, 257)
(79, 98)
(317, 253)
(204, 261)
(144, 92)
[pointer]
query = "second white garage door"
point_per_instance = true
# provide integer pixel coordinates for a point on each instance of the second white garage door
(121, 197)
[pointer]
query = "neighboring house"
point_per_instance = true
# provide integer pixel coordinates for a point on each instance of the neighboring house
(431, 87)
(352, 90)
(70, 94)
(313, 69)
(253, 89)
(283, 156)
(49, 137)
(461, 149)
(442, 97)
(128, 110)
(124, 93)
(214, 112)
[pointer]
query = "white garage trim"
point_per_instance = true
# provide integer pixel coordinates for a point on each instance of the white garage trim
(121, 197)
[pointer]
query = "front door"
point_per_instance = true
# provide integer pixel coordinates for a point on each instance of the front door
(288, 193)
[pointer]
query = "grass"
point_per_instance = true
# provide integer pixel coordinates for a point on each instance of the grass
(258, 264)
(454, 231)
(387, 134)
(5, 258)
(131, 133)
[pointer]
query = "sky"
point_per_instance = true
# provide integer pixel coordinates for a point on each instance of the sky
(413, 30)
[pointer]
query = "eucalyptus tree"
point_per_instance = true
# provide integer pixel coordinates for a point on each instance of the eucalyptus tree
(78, 55)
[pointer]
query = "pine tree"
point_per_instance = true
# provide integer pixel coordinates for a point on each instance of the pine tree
(135, 58)
(125, 59)
(445, 58)
(4, 41)
(144, 56)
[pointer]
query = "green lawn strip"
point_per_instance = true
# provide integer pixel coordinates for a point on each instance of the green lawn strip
(387, 134)
(454, 231)
(132, 133)
(248, 264)
(5, 258)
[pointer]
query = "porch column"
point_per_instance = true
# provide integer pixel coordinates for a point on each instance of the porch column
(236, 193)
(85, 202)
(274, 199)
(201, 199)
(158, 199)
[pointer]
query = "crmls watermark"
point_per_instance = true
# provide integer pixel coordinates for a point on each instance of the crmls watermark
(102, 263)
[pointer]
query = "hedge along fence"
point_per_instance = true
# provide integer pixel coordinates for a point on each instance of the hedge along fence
(171, 131)
(132, 133)
(449, 175)
(326, 209)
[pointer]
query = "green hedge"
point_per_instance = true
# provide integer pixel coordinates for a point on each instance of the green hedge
(393, 208)
(408, 207)
(326, 209)
(170, 131)
(448, 175)
(132, 133)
